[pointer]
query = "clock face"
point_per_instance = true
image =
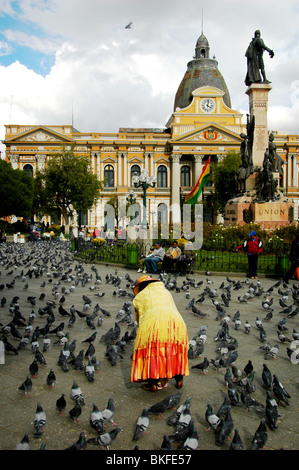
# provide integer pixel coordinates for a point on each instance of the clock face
(207, 105)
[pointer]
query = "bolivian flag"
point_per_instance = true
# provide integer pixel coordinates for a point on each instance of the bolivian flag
(192, 197)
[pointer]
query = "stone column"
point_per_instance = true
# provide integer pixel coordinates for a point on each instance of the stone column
(151, 168)
(119, 155)
(258, 107)
(175, 188)
(14, 160)
(41, 162)
(99, 165)
(197, 167)
(125, 169)
(295, 172)
(289, 169)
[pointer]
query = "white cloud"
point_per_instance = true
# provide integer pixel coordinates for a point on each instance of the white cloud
(112, 77)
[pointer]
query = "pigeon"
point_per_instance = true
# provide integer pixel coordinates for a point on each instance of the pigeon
(96, 419)
(51, 378)
(90, 371)
(33, 368)
(191, 443)
(260, 436)
(228, 377)
(106, 439)
(75, 412)
(224, 407)
(280, 392)
(247, 327)
(77, 362)
(61, 404)
(249, 402)
(271, 411)
(76, 393)
(202, 366)
(211, 418)
(26, 386)
(248, 368)
(166, 443)
(24, 442)
(224, 429)
(167, 403)
(39, 421)
(273, 352)
(185, 418)
(141, 425)
(267, 377)
(81, 443)
(233, 394)
(109, 412)
(236, 443)
(232, 358)
(91, 338)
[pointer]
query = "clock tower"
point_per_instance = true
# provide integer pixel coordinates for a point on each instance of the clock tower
(201, 71)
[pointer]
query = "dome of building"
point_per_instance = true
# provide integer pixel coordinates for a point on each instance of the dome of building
(201, 71)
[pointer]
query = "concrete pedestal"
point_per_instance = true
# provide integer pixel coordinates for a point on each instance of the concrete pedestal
(258, 107)
(269, 215)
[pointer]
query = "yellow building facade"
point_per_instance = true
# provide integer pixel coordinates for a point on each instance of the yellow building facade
(202, 124)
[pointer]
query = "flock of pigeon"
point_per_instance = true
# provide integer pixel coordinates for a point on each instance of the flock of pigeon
(52, 332)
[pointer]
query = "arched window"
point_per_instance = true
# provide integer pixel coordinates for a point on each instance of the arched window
(185, 175)
(134, 169)
(28, 169)
(162, 213)
(162, 176)
(108, 176)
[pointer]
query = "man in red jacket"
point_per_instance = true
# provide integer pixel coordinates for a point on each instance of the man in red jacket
(254, 247)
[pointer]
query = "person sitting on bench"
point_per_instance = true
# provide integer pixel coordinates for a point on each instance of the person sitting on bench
(172, 255)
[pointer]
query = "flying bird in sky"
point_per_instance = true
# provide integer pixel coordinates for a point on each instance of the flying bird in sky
(129, 25)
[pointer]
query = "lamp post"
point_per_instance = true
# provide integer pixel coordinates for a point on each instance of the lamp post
(131, 199)
(144, 181)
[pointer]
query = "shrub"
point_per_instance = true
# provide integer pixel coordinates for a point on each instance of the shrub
(99, 241)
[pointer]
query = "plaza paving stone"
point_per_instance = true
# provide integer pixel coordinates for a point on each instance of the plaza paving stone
(17, 411)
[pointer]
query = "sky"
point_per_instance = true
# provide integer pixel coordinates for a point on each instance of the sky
(75, 62)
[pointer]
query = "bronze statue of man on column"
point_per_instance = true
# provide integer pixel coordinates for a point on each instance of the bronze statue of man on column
(255, 62)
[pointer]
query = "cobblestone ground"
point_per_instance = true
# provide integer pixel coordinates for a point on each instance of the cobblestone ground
(48, 272)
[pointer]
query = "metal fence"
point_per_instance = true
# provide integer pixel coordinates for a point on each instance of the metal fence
(120, 252)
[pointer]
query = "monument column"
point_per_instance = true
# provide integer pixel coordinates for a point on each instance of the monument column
(258, 107)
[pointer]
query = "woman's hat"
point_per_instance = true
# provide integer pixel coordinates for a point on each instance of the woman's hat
(144, 278)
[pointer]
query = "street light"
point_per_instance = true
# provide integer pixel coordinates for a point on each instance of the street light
(131, 199)
(144, 181)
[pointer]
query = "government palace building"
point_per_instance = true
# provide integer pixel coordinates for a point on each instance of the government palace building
(203, 124)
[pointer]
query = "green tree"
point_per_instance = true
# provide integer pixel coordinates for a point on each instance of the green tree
(224, 179)
(65, 186)
(15, 191)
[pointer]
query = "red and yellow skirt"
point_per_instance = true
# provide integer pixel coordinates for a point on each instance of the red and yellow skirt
(158, 360)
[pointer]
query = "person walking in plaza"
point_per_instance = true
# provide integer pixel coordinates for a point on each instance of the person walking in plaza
(172, 255)
(160, 349)
(95, 233)
(152, 260)
(254, 248)
(294, 258)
